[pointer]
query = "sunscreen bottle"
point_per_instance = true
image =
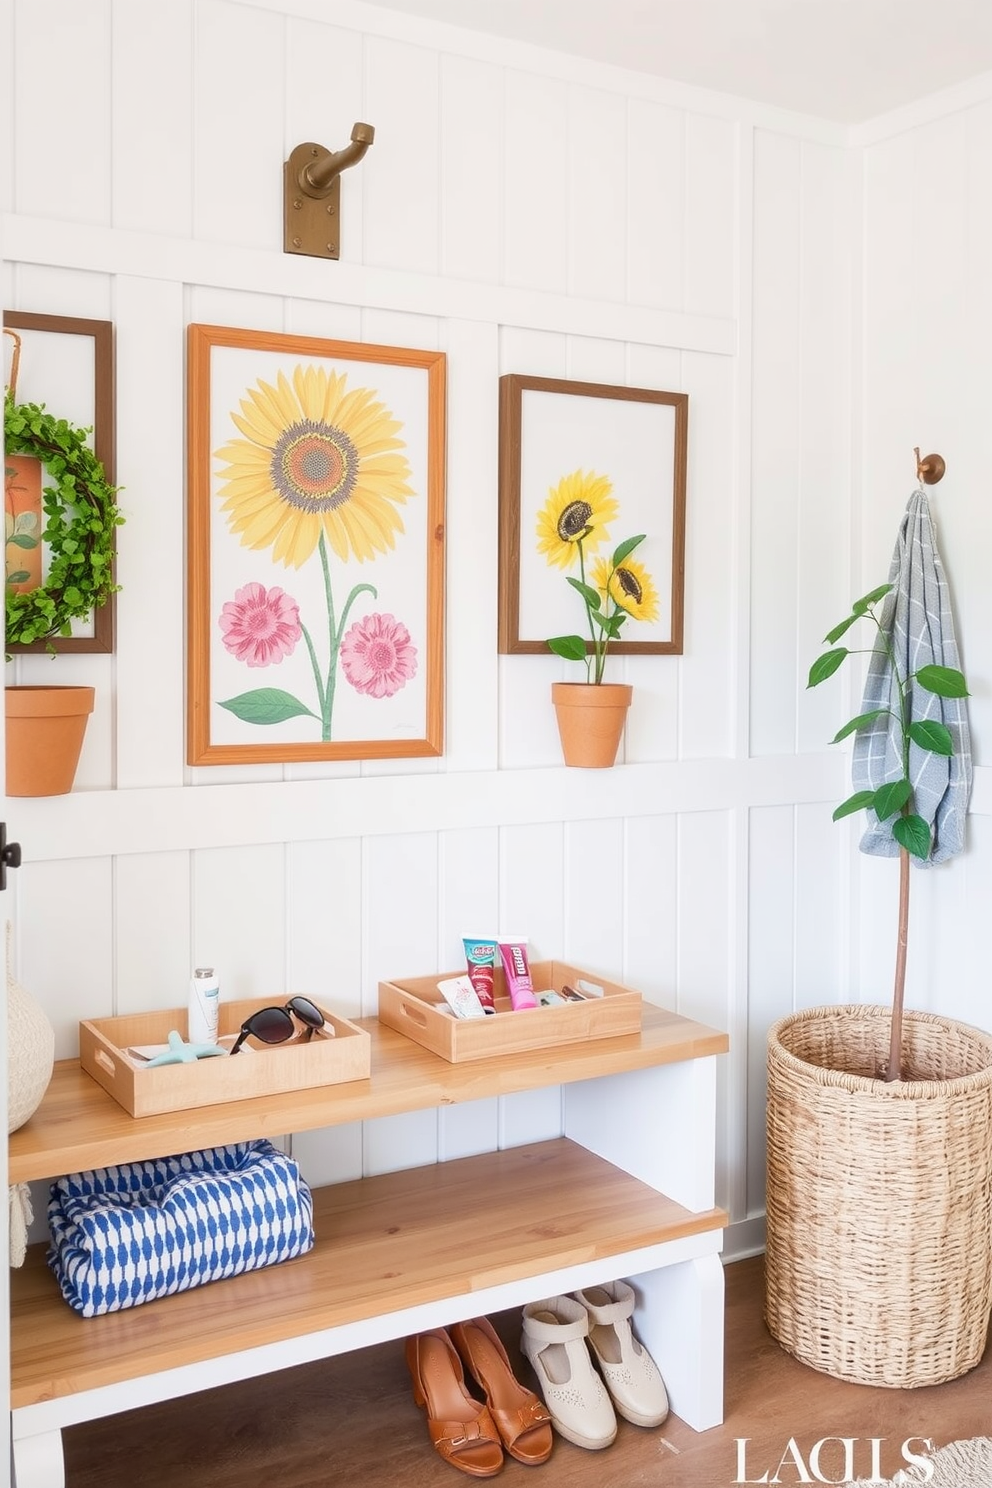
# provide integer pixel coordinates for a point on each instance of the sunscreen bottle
(204, 1005)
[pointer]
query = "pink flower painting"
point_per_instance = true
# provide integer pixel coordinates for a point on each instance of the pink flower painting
(377, 655)
(260, 626)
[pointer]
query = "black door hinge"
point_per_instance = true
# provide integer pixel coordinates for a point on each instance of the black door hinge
(10, 855)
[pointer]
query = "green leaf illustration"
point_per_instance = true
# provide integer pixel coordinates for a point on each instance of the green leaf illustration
(626, 548)
(589, 595)
(266, 705)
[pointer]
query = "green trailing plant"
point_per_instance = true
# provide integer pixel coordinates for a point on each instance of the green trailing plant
(893, 803)
(80, 513)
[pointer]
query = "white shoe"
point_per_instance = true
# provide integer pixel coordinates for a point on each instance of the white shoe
(554, 1341)
(631, 1375)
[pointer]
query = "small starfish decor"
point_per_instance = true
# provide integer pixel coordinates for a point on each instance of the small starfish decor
(180, 1052)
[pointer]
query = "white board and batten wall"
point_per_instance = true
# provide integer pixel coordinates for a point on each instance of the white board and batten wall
(523, 212)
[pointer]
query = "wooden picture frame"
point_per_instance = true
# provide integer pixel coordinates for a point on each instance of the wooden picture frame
(551, 429)
(315, 596)
(77, 384)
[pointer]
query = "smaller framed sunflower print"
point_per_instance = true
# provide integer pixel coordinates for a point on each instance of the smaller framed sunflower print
(583, 468)
(316, 549)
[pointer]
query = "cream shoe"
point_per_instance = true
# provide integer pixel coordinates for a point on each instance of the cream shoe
(631, 1374)
(554, 1341)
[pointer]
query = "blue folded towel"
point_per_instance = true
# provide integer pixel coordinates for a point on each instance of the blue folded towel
(129, 1234)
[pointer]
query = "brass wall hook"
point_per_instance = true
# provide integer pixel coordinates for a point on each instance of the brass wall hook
(312, 194)
(930, 469)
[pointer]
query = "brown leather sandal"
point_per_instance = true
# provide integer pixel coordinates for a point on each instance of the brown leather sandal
(461, 1429)
(521, 1418)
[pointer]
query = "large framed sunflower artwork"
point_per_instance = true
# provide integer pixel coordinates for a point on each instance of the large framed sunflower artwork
(316, 548)
(583, 465)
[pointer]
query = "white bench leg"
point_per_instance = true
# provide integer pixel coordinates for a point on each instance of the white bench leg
(680, 1321)
(38, 1461)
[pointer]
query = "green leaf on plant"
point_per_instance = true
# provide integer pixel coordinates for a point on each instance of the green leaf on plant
(858, 802)
(626, 548)
(913, 833)
(862, 605)
(266, 705)
(841, 629)
(572, 648)
(891, 798)
(590, 596)
(824, 666)
(933, 736)
(944, 681)
(862, 721)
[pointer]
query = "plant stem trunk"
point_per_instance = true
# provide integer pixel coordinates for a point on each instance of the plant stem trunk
(894, 1071)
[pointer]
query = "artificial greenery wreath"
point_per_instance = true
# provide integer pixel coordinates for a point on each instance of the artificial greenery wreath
(80, 514)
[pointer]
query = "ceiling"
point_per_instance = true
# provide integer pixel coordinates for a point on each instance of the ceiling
(845, 60)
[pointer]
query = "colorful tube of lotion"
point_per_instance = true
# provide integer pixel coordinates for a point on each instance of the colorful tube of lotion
(481, 958)
(513, 954)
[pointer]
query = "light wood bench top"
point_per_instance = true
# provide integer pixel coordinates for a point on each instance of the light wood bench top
(78, 1126)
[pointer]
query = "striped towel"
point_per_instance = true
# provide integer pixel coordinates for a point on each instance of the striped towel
(916, 617)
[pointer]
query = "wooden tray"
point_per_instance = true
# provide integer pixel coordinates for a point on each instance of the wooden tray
(325, 1060)
(413, 1007)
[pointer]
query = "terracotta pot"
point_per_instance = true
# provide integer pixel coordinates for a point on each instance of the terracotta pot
(590, 720)
(45, 728)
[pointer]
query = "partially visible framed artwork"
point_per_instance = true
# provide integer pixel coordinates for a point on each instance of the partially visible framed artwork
(67, 365)
(316, 548)
(603, 462)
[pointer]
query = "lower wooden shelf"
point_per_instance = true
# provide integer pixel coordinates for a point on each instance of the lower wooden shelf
(383, 1244)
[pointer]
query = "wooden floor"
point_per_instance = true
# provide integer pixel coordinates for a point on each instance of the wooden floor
(352, 1420)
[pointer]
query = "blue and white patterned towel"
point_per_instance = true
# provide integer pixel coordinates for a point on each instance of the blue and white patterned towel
(129, 1234)
(918, 624)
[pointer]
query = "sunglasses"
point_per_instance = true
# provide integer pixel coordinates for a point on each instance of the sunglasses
(274, 1025)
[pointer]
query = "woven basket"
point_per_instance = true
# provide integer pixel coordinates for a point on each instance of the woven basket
(879, 1196)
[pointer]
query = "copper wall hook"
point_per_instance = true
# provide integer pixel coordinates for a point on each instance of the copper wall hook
(930, 469)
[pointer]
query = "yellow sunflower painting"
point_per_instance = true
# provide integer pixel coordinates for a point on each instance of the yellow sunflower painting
(629, 586)
(317, 459)
(571, 525)
(575, 515)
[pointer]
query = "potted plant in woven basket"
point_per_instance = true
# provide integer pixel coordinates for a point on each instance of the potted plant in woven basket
(879, 1123)
(76, 523)
(571, 526)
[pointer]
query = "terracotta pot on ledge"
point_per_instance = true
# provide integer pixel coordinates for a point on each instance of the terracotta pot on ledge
(45, 728)
(591, 718)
